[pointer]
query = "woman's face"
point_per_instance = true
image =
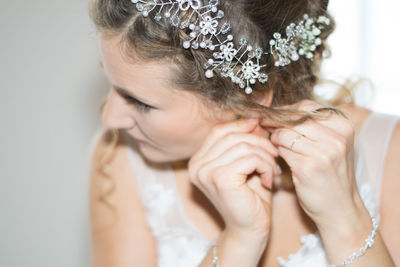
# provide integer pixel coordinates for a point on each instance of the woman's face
(167, 124)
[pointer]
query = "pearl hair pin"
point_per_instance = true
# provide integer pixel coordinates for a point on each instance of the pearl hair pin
(240, 64)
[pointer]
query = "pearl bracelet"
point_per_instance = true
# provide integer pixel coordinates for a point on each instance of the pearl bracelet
(215, 259)
(369, 242)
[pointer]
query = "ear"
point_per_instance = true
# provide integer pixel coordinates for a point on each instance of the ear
(266, 98)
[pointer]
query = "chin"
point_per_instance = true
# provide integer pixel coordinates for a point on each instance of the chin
(152, 154)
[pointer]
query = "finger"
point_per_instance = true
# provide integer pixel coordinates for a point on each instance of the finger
(233, 139)
(233, 154)
(220, 130)
(234, 175)
(257, 184)
(292, 159)
(311, 129)
(241, 149)
(300, 144)
(289, 139)
(333, 120)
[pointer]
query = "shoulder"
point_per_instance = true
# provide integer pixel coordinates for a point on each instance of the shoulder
(356, 114)
(390, 197)
(119, 232)
(390, 214)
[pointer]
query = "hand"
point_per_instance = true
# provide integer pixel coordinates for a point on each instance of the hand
(224, 170)
(321, 162)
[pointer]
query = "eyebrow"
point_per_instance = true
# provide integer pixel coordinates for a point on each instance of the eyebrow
(124, 91)
(129, 94)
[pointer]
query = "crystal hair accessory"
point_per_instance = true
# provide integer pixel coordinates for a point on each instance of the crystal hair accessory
(242, 64)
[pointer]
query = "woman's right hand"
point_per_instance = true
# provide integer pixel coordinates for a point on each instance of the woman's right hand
(223, 169)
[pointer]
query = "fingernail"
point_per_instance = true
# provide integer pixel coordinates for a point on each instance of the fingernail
(279, 170)
(270, 184)
(251, 120)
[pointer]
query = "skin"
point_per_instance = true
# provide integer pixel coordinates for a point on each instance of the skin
(162, 137)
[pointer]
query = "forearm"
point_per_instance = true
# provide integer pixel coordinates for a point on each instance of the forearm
(233, 250)
(341, 239)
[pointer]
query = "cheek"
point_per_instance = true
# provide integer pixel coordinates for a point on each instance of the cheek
(179, 134)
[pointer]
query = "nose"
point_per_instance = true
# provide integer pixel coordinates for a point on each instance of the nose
(116, 112)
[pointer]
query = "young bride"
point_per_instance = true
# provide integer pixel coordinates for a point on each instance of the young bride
(217, 152)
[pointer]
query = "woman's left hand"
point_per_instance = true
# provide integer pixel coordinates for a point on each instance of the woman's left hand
(322, 165)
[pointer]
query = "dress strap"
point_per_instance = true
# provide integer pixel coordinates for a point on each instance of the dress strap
(371, 148)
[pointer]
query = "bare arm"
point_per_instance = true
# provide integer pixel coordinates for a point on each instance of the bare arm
(121, 238)
(390, 212)
(350, 237)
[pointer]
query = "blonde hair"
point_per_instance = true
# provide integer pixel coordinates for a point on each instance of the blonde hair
(147, 39)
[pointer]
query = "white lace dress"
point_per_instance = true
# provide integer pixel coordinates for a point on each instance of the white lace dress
(180, 244)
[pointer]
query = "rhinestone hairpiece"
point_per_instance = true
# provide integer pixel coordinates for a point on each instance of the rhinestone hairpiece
(241, 65)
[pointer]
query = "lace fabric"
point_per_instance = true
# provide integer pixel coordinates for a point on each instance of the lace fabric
(181, 244)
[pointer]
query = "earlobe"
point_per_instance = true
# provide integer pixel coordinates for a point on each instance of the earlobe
(266, 99)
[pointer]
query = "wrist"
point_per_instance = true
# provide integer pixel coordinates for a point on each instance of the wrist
(346, 234)
(347, 221)
(246, 237)
(246, 248)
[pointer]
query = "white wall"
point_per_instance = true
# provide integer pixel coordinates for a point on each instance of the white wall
(365, 43)
(50, 91)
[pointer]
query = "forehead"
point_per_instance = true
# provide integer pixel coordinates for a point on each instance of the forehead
(146, 79)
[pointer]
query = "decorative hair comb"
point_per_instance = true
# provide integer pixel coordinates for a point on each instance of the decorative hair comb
(241, 65)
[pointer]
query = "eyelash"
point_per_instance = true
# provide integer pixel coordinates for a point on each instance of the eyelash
(141, 106)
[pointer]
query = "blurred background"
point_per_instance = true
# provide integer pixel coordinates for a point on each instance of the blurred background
(51, 88)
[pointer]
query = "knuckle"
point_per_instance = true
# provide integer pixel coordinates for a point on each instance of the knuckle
(243, 147)
(231, 137)
(192, 163)
(218, 177)
(280, 135)
(325, 160)
(203, 175)
(216, 129)
(193, 175)
(191, 168)
(254, 157)
(276, 136)
(308, 167)
(217, 172)
(340, 145)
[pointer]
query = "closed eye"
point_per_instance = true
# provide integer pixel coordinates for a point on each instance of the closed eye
(143, 107)
(140, 105)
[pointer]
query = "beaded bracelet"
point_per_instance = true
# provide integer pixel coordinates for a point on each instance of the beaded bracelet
(369, 242)
(215, 259)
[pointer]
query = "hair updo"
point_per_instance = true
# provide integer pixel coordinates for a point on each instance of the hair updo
(146, 39)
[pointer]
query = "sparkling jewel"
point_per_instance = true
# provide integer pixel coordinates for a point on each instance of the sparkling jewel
(243, 65)
(186, 44)
(209, 74)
